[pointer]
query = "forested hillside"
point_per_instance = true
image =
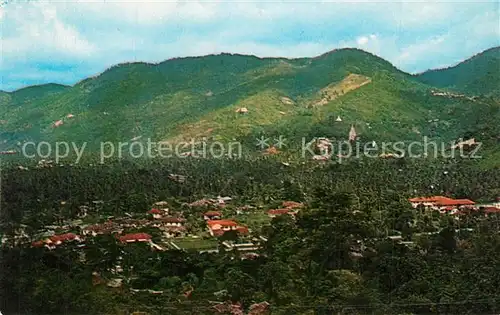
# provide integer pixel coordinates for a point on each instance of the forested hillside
(336, 257)
(479, 74)
(202, 97)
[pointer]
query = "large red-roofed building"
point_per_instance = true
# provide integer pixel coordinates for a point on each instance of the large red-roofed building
(219, 227)
(135, 237)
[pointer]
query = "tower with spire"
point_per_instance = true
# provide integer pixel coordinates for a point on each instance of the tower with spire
(352, 134)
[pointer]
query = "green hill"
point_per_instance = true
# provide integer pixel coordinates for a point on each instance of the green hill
(199, 97)
(479, 74)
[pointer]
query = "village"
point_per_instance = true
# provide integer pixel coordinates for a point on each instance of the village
(207, 225)
(164, 228)
(211, 225)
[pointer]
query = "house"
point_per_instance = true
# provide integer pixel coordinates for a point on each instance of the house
(441, 203)
(426, 201)
(228, 308)
(177, 178)
(56, 240)
(174, 231)
(62, 238)
(497, 203)
(454, 202)
(173, 221)
(244, 209)
(58, 123)
(212, 215)
(135, 237)
(157, 213)
(201, 203)
(491, 210)
(271, 151)
(242, 247)
(221, 201)
(277, 212)
(324, 145)
(450, 210)
(115, 283)
(461, 144)
(242, 110)
(219, 227)
(259, 308)
(161, 205)
(103, 228)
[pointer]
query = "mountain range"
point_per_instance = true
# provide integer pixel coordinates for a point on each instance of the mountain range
(238, 97)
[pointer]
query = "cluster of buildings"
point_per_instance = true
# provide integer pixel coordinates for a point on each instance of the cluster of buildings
(171, 225)
(288, 207)
(219, 227)
(453, 206)
(55, 240)
(219, 202)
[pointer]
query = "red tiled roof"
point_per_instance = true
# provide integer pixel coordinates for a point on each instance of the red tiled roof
(491, 210)
(135, 237)
(222, 223)
(63, 237)
(154, 211)
(228, 308)
(455, 202)
(259, 308)
(429, 199)
(278, 211)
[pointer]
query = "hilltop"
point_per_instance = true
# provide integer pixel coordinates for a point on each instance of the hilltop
(479, 74)
(203, 96)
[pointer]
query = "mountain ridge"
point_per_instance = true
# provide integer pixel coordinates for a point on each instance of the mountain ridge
(168, 101)
(176, 59)
(478, 74)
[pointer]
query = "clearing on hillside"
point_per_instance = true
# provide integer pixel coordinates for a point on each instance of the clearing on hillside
(334, 90)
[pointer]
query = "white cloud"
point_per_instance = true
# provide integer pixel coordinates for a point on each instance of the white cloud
(411, 54)
(38, 29)
(363, 40)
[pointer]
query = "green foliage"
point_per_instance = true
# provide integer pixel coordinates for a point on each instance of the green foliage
(197, 97)
(477, 75)
(334, 257)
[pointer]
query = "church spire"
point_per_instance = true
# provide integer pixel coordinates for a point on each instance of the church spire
(352, 134)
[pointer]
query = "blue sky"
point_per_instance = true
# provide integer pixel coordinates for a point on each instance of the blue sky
(67, 41)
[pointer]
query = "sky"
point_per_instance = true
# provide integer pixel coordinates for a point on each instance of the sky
(66, 41)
